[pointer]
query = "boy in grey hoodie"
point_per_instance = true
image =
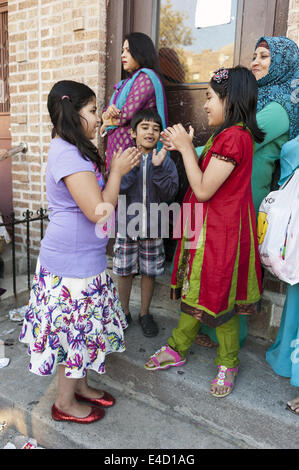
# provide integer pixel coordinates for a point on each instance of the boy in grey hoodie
(139, 245)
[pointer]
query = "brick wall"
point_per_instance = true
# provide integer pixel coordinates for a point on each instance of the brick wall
(49, 40)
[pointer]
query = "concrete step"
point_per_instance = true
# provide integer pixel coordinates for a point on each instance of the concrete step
(169, 409)
(161, 298)
(20, 259)
(264, 324)
(21, 285)
(253, 416)
(133, 423)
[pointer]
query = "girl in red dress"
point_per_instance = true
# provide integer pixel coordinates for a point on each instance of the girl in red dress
(217, 271)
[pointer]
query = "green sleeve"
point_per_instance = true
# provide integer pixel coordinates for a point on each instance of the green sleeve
(274, 121)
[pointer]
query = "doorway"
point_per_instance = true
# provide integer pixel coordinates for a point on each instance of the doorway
(189, 54)
(192, 52)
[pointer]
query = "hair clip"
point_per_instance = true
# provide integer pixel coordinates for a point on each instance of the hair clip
(220, 74)
(65, 97)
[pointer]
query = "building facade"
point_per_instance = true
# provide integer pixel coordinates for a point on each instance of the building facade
(48, 41)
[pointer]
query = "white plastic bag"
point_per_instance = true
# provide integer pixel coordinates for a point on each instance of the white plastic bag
(278, 231)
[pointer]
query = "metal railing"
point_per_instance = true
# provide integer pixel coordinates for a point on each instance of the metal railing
(10, 223)
(21, 148)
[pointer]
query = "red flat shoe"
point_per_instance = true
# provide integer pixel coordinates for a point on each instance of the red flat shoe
(94, 415)
(106, 400)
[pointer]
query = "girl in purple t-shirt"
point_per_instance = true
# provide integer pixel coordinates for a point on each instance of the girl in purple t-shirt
(74, 316)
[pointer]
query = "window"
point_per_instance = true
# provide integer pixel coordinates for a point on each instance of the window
(189, 54)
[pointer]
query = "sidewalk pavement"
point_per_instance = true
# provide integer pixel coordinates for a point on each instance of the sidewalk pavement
(169, 409)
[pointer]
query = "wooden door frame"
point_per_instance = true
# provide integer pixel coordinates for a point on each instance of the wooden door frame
(3, 6)
(4, 9)
(276, 23)
(5, 142)
(5, 115)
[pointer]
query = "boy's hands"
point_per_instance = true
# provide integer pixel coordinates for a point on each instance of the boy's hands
(177, 138)
(158, 158)
(123, 162)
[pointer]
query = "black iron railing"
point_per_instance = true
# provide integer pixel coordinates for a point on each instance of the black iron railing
(10, 223)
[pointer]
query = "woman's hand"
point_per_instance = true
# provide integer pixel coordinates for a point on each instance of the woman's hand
(177, 138)
(110, 117)
(158, 158)
(112, 112)
(123, 162)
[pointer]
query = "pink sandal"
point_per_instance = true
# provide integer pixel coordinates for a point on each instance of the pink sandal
(220, 380)
(165, 365)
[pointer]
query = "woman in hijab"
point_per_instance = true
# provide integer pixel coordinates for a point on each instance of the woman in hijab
(275, 66)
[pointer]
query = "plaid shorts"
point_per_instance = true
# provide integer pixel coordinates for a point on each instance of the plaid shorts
(143, 256)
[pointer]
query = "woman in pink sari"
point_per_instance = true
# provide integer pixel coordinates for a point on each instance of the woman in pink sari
(142, 89)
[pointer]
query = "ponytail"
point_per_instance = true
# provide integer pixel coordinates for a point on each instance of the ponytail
(64, 103)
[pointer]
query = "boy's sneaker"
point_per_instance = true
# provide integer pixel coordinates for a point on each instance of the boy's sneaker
(148, 325)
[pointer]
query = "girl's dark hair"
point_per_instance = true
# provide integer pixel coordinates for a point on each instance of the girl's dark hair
(65, 100)
(240, 91)
(147, 114)
(143, 51)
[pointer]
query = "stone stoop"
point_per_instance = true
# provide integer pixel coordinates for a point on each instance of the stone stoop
(133, 423)
(264, 324)
(170, 409)
(253, 416)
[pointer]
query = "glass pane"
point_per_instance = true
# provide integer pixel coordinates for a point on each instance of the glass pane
(189, 54)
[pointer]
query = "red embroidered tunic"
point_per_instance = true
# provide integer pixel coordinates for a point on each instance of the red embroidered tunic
(221, 276)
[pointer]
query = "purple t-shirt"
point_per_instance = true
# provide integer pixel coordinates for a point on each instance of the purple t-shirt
(70, 247)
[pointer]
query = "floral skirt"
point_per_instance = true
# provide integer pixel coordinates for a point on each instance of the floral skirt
(72, 322)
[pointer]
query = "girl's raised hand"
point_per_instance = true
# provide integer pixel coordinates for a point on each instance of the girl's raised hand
(123, 162)
(158, 158)
(176, 137)
(166, 141)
